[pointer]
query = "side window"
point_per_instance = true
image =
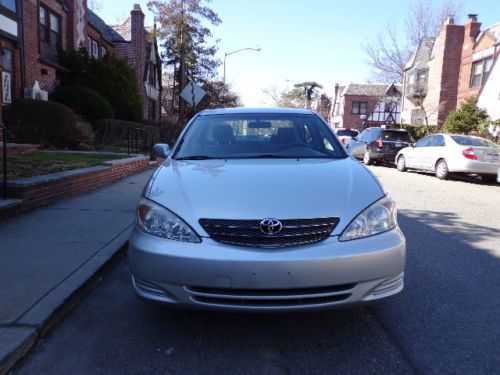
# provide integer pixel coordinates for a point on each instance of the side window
(424, 142)
(364, 135)
(440, 142)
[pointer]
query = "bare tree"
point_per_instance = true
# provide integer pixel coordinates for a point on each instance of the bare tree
(424, 19)
(273, 94)
(388, 53)
(95, 5)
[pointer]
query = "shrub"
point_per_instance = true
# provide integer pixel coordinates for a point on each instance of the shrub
(469, 117)
(44, 123)
(112, 78)
(84, 101)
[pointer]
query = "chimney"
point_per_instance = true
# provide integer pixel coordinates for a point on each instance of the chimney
(472, 26)
(137, 23)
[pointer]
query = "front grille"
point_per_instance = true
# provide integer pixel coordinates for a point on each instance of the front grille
(247, 232)
(270, 297)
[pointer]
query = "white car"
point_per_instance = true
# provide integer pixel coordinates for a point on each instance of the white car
(444, 154)
(345, 135)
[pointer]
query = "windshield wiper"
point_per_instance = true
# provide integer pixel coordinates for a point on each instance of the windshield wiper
(269, 156)
(197, 157)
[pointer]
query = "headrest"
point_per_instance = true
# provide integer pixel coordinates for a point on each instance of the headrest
(223, 134)
(285, 135)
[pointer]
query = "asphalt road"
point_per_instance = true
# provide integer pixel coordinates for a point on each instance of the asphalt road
(447, 321)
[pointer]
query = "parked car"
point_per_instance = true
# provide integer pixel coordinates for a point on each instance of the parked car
(444, 154)
(262, 210)
(377, 144)
(345, 135)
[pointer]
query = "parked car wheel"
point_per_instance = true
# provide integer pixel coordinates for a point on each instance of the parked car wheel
(490, 178)
(442, 170)
(367, 159)
(401, 164)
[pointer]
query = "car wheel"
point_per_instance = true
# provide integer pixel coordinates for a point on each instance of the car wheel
(367, 159)
(490, 178)
(401, 165)
(442, 170)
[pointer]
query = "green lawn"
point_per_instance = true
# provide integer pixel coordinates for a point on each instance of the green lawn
(30, 164)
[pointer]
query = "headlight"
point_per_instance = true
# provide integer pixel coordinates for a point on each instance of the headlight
(380, 217)
(160, 222)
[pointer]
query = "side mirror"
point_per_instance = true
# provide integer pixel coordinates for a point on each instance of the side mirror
(161, 150)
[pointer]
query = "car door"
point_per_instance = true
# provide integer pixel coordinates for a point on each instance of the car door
(414, 157)
(433, 151)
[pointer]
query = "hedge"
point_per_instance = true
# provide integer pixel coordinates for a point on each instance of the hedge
(84, 101)
(43, 122)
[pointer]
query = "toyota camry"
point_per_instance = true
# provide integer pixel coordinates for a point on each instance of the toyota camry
(263, 210)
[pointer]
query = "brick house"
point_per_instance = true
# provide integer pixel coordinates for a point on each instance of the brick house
(32, 31)
(445, 70)
(135, 42)
(479, 51)
(358, 106)
(11, 34)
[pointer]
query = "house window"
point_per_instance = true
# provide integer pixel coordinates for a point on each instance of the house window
(358, 108)
(9, 4)
(480, 70)
(93, 48)
(50, 27)
(152, 75)
(104, 51)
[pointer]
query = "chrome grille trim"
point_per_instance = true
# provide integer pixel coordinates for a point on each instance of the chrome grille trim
(295, 232)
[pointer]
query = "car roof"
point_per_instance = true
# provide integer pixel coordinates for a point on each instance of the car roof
(245, 110)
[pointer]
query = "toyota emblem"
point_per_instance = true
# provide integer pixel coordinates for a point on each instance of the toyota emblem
(270, 226)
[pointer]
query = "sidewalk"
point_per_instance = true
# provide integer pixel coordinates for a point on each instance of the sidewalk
(46, 255)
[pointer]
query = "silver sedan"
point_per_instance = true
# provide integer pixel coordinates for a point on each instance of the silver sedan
(445, 154)
(263, 210)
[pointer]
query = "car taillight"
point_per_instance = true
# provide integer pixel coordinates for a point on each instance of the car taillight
(469, 153)
(378, 142)
(344, 140)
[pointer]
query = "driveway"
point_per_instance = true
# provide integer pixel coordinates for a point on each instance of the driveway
(447, 321)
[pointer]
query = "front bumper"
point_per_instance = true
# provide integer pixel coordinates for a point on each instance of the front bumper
(213, 275)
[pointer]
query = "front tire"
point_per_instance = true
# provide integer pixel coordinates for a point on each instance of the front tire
(367, 159)
(442, 171)
(401, 164)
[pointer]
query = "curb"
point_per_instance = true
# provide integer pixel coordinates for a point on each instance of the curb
(47, 312)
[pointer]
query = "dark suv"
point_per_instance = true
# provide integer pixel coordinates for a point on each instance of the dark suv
(375, 144)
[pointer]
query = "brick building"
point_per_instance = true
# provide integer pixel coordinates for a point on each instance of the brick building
(357, 106)
(32, 31)
(134, 42)
(445, 70)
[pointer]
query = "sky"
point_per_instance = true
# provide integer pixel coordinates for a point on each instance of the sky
(300, 40)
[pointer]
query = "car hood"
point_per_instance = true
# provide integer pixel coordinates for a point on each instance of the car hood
(263, 188)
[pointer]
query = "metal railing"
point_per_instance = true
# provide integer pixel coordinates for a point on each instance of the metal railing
(138, 141)
(6, 132)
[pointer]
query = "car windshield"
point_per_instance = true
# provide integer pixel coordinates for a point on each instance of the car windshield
(254, 135)
(465, 140)
(347, 133)
(396, 135)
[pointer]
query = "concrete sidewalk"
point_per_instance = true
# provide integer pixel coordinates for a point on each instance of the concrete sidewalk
(48, 254)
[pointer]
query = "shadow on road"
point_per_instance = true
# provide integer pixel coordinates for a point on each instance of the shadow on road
(446, 321)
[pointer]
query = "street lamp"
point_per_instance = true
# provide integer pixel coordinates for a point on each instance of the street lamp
(258, 49)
